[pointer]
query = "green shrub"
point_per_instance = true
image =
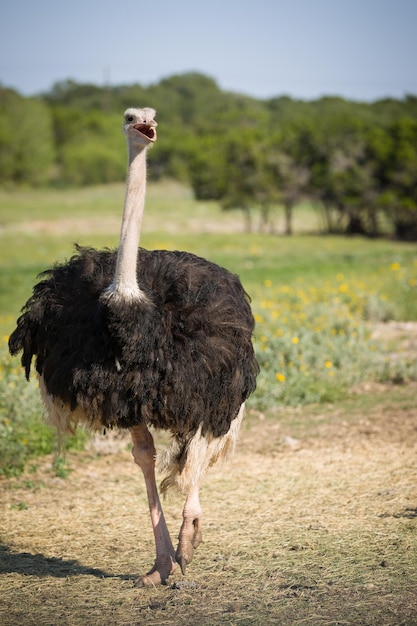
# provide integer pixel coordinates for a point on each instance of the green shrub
(314, 343)
(23, 432)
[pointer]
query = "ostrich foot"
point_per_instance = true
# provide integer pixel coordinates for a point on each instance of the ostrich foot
(189, 539)
(163, 567)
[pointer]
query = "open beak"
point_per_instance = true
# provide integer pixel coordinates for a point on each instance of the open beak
(147, 130)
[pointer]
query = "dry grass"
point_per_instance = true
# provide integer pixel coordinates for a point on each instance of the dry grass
(312, 523)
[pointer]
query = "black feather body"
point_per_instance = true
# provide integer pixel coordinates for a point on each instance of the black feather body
(181, 359)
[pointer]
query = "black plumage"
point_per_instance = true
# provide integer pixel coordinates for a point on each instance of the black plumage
(180, 359)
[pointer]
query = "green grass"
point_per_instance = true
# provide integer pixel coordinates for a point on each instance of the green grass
(313, 296)
(174, 219)
(39, 204)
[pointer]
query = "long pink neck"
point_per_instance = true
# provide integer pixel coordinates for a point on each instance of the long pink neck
(125, 286)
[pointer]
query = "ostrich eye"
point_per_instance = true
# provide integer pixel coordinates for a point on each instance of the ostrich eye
(129, 118)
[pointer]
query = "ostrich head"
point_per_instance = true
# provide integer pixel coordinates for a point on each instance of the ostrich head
(139, 126)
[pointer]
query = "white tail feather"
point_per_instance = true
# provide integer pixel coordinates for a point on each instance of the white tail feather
(185, 468)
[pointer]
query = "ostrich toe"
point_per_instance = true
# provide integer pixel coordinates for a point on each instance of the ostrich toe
(190, 537)
(163, 567)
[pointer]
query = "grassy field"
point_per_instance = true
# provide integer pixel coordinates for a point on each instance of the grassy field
(38, 228)
(314, 520)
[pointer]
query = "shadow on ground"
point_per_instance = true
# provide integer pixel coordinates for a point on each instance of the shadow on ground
(39, 565)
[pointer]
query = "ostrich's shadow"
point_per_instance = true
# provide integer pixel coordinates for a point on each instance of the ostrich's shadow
(28, 564)
(407, 513)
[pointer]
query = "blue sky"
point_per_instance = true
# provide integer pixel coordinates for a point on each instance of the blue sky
(358, 49)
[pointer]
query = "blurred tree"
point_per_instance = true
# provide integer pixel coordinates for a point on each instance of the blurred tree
(247, 181)
(398, 176)
(209, 169)
(289, 162)
(91, 148)
(355, 160)
(342, 177)
(26, 140)
(83, 97)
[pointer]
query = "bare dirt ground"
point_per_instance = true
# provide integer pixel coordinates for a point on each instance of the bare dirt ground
(313, 522)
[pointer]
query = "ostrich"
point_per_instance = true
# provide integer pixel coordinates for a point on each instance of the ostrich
(134, 339)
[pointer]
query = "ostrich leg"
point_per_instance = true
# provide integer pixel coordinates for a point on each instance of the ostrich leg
(144, 455)
(190, 535)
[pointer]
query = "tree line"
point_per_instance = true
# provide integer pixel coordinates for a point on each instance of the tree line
(357, 162)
